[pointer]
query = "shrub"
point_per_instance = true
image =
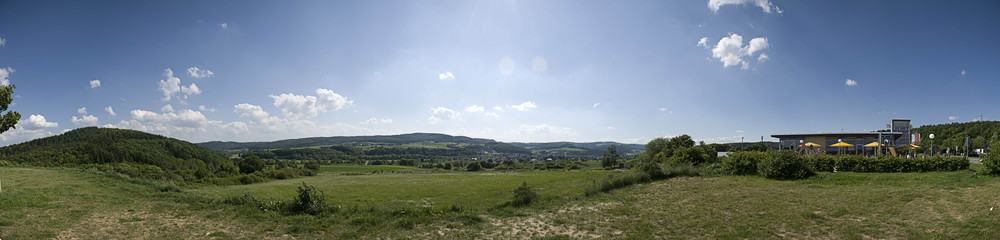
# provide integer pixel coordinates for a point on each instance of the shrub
(251, 164)
(309, 201)
(742, 163)
(523, 196)
(473, 166)
(991, 162)
(783, 165)
(250, 179)
(312, 165)
(821, 163)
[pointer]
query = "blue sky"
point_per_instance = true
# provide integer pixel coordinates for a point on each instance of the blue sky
(506, 70)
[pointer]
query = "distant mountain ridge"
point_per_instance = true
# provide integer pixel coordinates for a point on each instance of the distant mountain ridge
(546, 148)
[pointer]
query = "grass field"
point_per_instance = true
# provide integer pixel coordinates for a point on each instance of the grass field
(366, 168)
(40, 203)
(480, 190)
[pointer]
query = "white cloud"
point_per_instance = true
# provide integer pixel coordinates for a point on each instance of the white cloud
(22, 134)
(475, 108)
(525, 106)
(301, 106)
(542, 128)
(110, 111)
(493, 114)
(596, 104)
(952, 118)
(763, 57)
(203, 108)
(82, 110)
(224, 25)
(254, 112)
(446, 75)
(703, 42)
(661, 109)
(539, 64)
(184, 118)
(167, 108)
(963, 73)
(3, 41)
(730, 50)
(172, 85)
(851, 82)
(4, 76)
(36, 122)
(442, 113)
(199, 73)
(497, 108)
(95, 83)
(375, 120)
(766, 5)
(86, 120)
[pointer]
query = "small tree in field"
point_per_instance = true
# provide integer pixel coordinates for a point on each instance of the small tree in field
(991, 162)
(473, 166)
(251, 164)
(610, 158)
(10, 118)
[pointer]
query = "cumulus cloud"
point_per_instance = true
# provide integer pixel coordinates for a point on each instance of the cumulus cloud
(3, 42)
(525, 106)
(375, 120)
(703, 42)
(167, 108)
(851, 82)
(963, 73)
(82, 110)
(497, 108)
(542, 128)
(475, 108)
(763, 57)
(446, 75)
(5, 76)
(199, 73)
(38, 122)
(95, 83)
(493, 114)
(110, 111)
(203, 108)
(86, 120)
(303, 106)
(224, 25)
(442, 113)
(731, 51)
(952, 118)
(661, 109)
(596, 104)
(172, 86)
(766, 5)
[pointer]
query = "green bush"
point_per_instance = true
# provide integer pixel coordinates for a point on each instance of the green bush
(251, 164)
(618, 181)
(742, 163)
(821, 163)
(783, 165)
(309, 201)
(991, 162)
(523, 196)
(473, 166)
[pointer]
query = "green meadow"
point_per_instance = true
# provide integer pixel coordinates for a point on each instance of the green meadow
(42, 203)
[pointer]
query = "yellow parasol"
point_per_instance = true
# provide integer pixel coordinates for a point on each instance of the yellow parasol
(811, 144)
(908, 147)
(842, 144)
(873, 144)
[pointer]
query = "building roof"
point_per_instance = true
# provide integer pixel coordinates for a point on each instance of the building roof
(858, 134)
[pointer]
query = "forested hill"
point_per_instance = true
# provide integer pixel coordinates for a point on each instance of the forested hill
(402, 139)
(434, 140)
(953, 134)
(92, 145)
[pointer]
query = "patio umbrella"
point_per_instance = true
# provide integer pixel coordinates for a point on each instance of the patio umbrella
(908, 147)
(873, 144)
(811, 144)
(842, 144)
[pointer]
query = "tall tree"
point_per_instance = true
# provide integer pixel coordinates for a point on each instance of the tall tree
(10, 118)
(610, 157)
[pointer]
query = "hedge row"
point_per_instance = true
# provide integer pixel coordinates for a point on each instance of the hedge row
(788, 165)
